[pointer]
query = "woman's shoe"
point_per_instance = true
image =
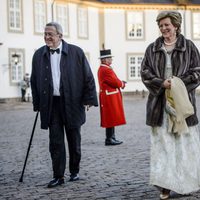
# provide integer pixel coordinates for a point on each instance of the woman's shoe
(165, 194)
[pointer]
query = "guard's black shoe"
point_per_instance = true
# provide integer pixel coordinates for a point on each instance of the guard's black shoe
(74, 177)
(117, 141)
(112, 142)
(55, 182)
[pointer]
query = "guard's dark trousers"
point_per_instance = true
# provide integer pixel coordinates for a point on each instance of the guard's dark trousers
(58, 127)
(110, 133)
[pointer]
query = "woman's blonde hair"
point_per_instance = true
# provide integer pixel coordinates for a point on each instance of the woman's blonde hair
(175, 17)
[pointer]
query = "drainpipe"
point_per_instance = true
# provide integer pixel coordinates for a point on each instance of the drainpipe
(52, 11)
(183, 3)
(184, 18)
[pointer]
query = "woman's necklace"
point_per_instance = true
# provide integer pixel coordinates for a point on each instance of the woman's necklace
(170, 44)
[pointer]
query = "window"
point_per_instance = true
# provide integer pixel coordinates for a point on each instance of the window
(82, 22)
(134, 66)
(196, 25)
(62, 17)
(15, 15)
(16, 65)
(135, 25)
(39, 15)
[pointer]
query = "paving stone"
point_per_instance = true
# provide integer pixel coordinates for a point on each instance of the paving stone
(107, 172)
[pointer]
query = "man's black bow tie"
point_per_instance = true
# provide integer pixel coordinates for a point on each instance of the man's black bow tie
(55, 50)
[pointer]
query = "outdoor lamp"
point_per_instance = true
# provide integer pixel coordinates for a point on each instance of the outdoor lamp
(16, 58)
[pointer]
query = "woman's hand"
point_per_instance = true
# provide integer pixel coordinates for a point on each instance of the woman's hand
(167, 84)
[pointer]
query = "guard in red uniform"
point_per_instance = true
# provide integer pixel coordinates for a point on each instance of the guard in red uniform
(110, 97)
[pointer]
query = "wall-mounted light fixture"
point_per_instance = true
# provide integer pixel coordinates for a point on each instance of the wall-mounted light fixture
(16, 58)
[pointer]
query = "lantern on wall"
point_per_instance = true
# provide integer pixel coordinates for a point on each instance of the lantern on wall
(16, 58)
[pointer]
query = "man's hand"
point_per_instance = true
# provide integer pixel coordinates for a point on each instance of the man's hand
(87, 107)
(124, 84)
(36, 109)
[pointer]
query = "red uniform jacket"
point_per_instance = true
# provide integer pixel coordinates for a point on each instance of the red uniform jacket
(110, 97)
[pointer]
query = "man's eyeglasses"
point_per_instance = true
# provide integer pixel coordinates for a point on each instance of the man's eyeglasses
(50, 34)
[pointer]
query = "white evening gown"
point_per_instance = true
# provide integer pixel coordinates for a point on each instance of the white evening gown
(175, 159)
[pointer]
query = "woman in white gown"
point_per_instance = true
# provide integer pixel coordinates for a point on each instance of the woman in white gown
(175, 155)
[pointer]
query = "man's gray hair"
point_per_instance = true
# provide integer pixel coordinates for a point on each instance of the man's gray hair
(57, 26)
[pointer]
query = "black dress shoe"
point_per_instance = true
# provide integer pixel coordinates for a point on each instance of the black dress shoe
(55, 182)
(112, 142)
(117, 141)
(74, 177)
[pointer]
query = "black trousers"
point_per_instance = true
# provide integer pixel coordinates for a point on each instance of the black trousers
(110, 133)
(57, 129)
(23, 95)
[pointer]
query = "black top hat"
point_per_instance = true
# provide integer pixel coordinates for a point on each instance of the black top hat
(105, 53)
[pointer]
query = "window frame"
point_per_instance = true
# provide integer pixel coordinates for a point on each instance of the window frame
(192, 24)
(66, 30)
(38, 28)
(21, 64)
(21, 27)
(86, 36)
(143, 25)
(137, 67)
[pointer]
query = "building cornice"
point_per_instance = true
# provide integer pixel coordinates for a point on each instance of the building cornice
(134, 6)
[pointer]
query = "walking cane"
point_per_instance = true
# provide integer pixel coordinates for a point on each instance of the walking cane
(29, 146)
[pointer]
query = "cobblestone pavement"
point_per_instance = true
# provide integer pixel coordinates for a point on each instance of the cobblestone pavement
(107, 172)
